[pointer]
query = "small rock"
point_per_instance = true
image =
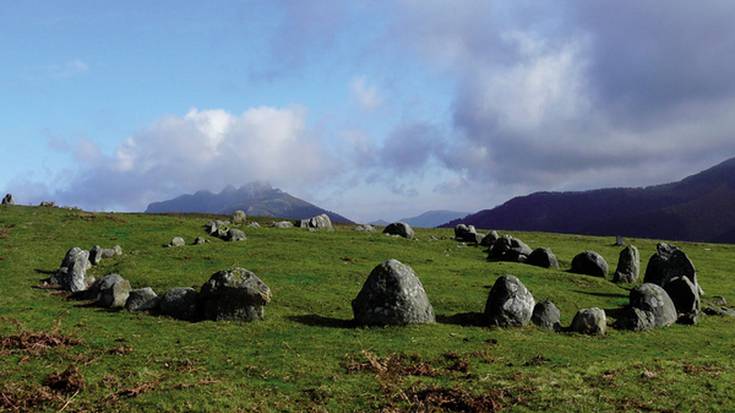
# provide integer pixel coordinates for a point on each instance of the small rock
(47, 204)
(619, 241)
(364, 228)
(177, 242)
(629, 265)
(542, 257)
(400, 229)
(200, 241)
(719, 301)
(142, 299)
(282, 224)
(235, 235)
(546, 316)
(590, 321)
(180, 303)
(254, 225)
(239, 217)
(509, 303)
(590, 263)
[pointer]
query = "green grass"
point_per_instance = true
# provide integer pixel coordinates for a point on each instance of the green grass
(295, 360)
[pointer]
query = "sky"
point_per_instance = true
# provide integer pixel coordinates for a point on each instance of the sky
(373, 109)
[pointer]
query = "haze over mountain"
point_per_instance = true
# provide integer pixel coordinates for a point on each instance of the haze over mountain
(256, 198)
(700, 207)
(431, 219)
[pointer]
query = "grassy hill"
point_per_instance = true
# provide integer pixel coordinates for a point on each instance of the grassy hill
(306, 357)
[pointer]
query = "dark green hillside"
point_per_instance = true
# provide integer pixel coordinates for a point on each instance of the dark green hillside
(306, 357)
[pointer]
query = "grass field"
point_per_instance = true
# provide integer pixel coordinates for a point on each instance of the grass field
(307, 357)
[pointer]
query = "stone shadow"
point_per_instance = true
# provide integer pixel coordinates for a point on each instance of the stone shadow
(316, 320)
(471, 319)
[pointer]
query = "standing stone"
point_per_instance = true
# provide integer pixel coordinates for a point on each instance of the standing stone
(509, 303)
(651, 298)
(489, 239)
(400, 229)
(507, 248)
(72, 272)
(629, 265)
(235, 235)
(95, 255)
(392, 295)
(142, 299)
(669, 262)
(590, 263)
(319, 222)
(239, 217)
(543, 257)
(180, 303)
(177, 242)
(8, 200)
(686, 299)
(590, 321)
(364, 228)
(112, 291)
(547, 316)
(235, 294)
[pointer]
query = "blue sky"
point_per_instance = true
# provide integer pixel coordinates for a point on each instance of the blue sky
(374, 109)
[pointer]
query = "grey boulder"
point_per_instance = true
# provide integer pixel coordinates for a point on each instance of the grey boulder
(467, 233)
(591, 321)
(507, 248)
(546, 315)
(400, 229)
(177, 242)
(319, 222)
(590, 263)
(142, 299)
(509, 303)
(489, 239)
(254, 225)
(282, 224)
(685, 296)
(652, 299)
(112, 291)
(669, 262)
(72, 272)
(239, 217)
(8, 200)
(97, 253)
(235, 235)
(392, 295)
(180, 303)
(234, 294)
(542, 257)
(629, 265)
(364, 228)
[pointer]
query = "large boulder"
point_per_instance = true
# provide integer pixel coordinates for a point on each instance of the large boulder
(629, 265)
(509, 303)
(72, 273)
(507, 248)
(234, 294)
(669, 262)
(180, 302)
(590, 263)
(239, 217)
(400, 229)
(546, 315)
(392, 295)
(235, 235)
(8, 200)
(685, 296)
(319, 222)
(652, 299)
(112, 291)
(142, 299)
(590, 321)
(489, 239)
(542, 257)
(467, 233)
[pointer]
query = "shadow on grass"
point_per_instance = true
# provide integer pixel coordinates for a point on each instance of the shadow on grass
(321, 321)
(44, 272)
(611, 295)
(463, 319)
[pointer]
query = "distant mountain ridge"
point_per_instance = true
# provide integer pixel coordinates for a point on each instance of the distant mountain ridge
(431, 219)
(256, 198)
(700, 207)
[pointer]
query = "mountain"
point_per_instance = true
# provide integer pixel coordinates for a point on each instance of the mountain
(431, 219)
(700, 207)
(257, 199)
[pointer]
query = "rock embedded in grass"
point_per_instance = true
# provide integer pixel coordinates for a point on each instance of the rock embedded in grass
(509, 303)
(180, 303)
(392, 295)
(282, 224)
(254, 225)
(543, 257)
(591, 321)
(142, 299)
(71, 275)
(590, 263)
(400, 229)
(629, 265)
(467, 233)
(112, 291)
(546, 315)
(235, 235)
(200, 241)
(508, 248)
(364, 228)
(177, 242)
(235, 294)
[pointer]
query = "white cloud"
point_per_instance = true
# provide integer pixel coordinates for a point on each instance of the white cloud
(68, 69)
(366, 95)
